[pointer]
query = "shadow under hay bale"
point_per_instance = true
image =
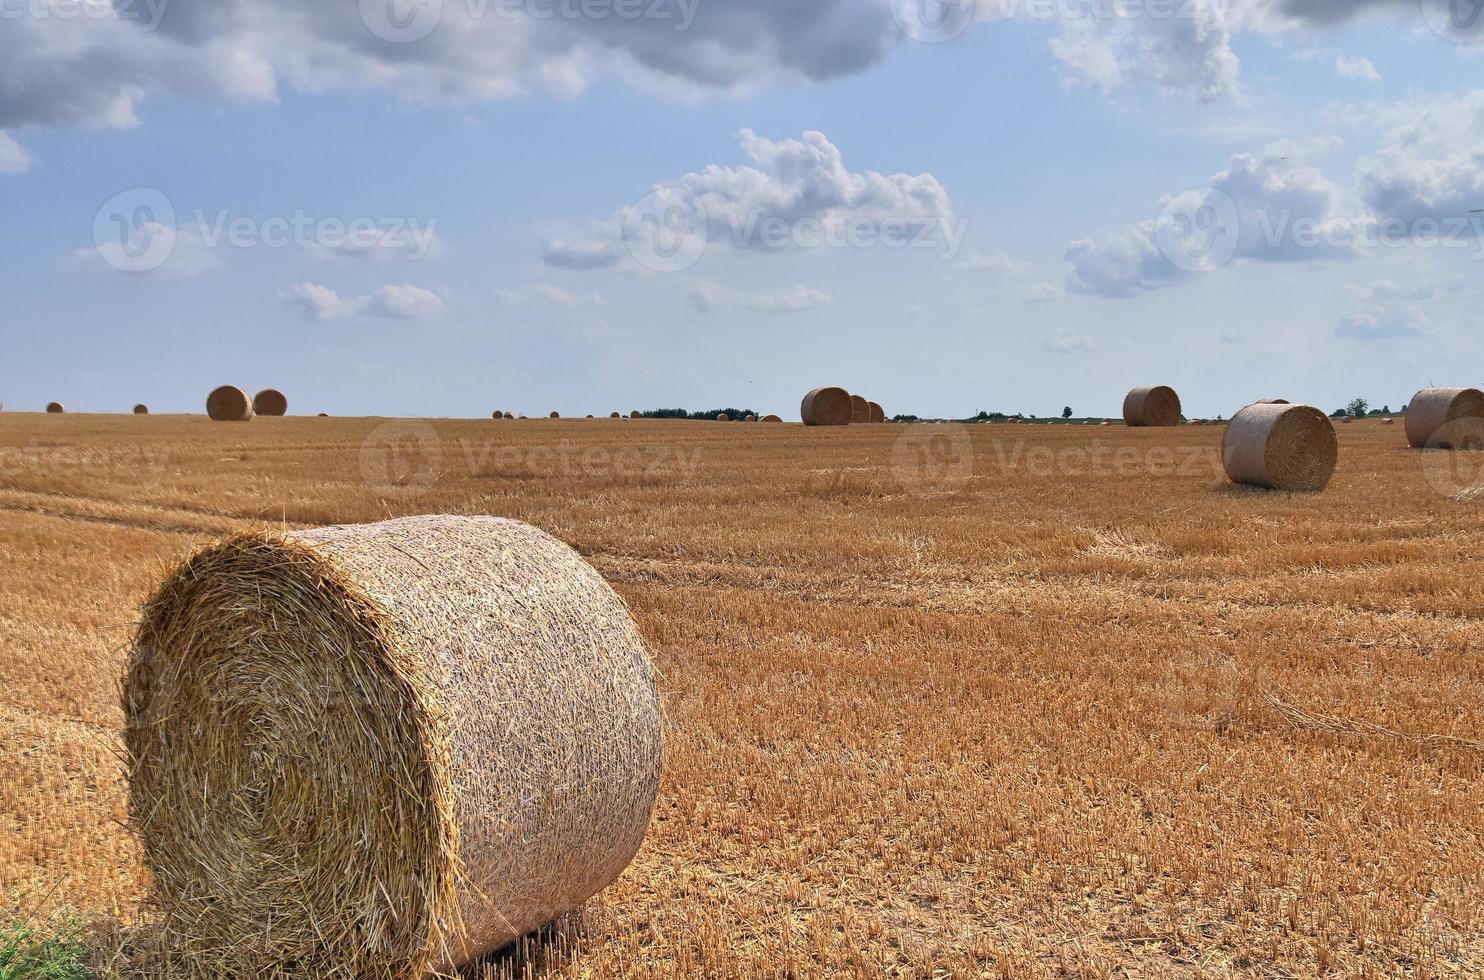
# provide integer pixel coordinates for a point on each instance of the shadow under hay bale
(1281, 447)
(229, 404)
(316, 774)
(827, 406)
(1446, 418)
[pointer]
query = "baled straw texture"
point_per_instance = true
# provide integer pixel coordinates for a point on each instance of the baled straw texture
(56, 408)
(772, 418)
(229, 404)
(1281, 447)
(141, 409)
(270, 401)
(555, 415)
(614, 415)
(826, 406)
(1432, 409)
(723, 417)
(636, 414)
(1157, 406)
(370, 751)
(860, 410)
(878, 414)
(1271, 401)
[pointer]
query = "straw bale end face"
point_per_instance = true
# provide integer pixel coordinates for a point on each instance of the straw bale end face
(827, 406)
(229, 404)
(878, 414)
(315, 772)
(56, 408)
(1281, 447)
(270, 402)
(1158, 406)
(141, 409)
(1446, 418)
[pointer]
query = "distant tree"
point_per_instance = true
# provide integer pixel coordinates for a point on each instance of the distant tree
(1339, 413)
(1066, 413)
(1358, 407)
(1385, 409)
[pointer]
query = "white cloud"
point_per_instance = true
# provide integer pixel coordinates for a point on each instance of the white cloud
(14, 159)
(1383, 325)
(1386, 291)
(709, 297)
(1359, 69)
(798, 196)
(154, 250)
(388, 240)
(1278, 206)
(1189, 50)
(393, 302)
(544, 292)
(1065, 340)
(1430, 165)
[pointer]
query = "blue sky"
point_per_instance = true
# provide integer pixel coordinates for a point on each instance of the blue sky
(499, 164)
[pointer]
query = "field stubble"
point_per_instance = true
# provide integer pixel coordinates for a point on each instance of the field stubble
(1099, 715)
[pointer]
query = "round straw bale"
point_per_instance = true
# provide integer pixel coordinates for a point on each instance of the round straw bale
(1432, 410)
(723, 417)
(555, 415)
(878, 414)
(56, 408)
(1281, 447)
(141, 409)
(615, 415)
(772, 418)
(270, 401)
(860, 410)
(379, 750)
(1388, 421)
(1271, 401)
(324, 415)
(636, 414)
(229, 404)
(827, 406)
(1346, 420)
(1157, 406)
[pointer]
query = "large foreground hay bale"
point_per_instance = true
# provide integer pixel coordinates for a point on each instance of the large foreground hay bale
(367, 751)
(229, 404)
(1281, 447)
(1272, 401)
(1434, 415)
(56, 408)
(827, 406)
(141, 409)
(270, 401)
(878, 414)
(860, 410)
(1157, 406)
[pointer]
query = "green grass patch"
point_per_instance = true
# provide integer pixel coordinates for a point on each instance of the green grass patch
(28, 954)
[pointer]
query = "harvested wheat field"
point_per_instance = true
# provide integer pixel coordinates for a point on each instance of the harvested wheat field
(939, 701)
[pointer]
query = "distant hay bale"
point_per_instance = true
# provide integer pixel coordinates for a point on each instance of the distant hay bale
(750, 418)
(1281, 447)
(1105, 423)
(56, 408)
(827, 406)
(1157, 406)
(270, 402)
(636, 414)
(317, 775)
(589, 416)
(1197, 421)
(1388, 421)
(878, 414)
(324, 415)
(1347, 420)
(555, 415)
(141, 409)
(860, 410)
(1433, 418)
(229, 404)
(723, 417)
(772, 418)
(615, 415)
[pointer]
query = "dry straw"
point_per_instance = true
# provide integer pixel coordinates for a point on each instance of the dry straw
(878, 414)
(1432, 410)
(860, 410)
(56, 408)
(270, 401)
(229, 404)
(1281, 447)
(827, 406)
(1157, 406)
(141, 409)
(379, 750)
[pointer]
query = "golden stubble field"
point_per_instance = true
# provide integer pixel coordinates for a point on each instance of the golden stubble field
(991, 700)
